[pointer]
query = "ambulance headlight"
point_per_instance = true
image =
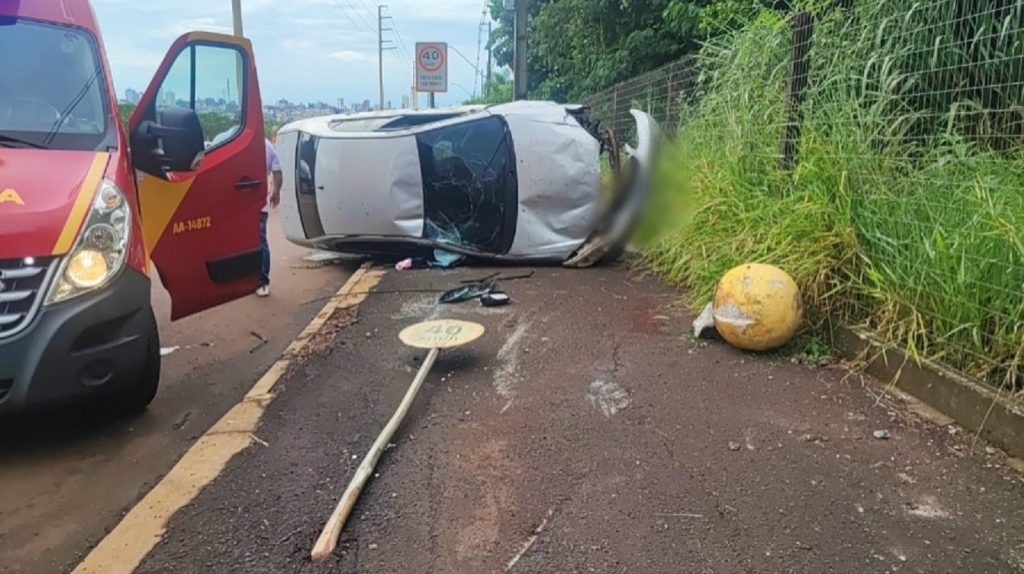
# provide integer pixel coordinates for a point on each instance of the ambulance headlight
(100, 250)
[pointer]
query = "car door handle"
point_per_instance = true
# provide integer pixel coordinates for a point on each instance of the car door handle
(248, 184)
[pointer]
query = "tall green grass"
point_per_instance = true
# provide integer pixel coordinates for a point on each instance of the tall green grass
(904, 214)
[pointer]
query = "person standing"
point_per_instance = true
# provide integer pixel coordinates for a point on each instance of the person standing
(273, 198)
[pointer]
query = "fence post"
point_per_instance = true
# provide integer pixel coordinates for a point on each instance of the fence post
(799, 69)
(615, 109)
(668, 96)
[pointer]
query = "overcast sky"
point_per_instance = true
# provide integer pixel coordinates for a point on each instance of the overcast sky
(306, 50)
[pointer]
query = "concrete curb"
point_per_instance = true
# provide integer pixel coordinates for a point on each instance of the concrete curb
(972, 404)
(123, 549)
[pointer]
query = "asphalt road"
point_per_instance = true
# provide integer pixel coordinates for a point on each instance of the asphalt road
(583, 433)
(68, 476)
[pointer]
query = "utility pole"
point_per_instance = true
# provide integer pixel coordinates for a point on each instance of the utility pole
(380, 52)
(236, 13)
(380, 49)
(236, 17)
(522, 17)
(490, 56)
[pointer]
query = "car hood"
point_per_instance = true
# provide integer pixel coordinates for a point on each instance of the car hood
(44, 197)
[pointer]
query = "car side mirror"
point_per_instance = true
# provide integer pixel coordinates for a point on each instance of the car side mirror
(172, 143)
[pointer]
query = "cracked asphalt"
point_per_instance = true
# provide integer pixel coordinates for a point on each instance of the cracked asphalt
(585, 433)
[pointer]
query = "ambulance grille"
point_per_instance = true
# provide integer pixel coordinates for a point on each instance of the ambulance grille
(22, 288)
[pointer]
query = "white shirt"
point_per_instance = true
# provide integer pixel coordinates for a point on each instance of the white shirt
(273, 164)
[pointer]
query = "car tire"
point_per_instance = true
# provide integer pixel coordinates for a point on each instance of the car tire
(136, 398)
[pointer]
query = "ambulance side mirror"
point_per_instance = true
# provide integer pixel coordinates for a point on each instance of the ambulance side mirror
(174, 143)
(182, 138)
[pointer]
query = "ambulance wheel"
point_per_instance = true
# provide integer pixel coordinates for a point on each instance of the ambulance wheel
(136, 398)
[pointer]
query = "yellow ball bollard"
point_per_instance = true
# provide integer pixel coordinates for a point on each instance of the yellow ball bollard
(757, 307)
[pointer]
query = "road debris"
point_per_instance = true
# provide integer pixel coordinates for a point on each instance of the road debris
(882, 434)
(495, 298)
(288, 536)
(262, 342)
(529, 541)
(164, 351)
(704, 321)
(323, 257)
(433, 336)
(467, 292)
(734, 446)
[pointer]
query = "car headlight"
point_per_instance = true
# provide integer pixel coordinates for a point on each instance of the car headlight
(100, 251)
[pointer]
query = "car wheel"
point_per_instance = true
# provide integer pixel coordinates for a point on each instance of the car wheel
(136, 398)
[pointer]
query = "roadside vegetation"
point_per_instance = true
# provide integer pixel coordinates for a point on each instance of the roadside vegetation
(906, 208)
(579, 47)
(212, 122)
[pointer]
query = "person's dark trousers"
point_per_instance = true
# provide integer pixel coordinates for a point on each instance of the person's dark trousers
(265, 248)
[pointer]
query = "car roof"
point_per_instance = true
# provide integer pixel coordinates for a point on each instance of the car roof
(74, 12)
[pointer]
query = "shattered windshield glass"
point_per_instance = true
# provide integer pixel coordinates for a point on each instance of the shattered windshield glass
(469, 185)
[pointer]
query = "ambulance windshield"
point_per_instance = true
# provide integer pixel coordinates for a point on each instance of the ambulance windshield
(53, 89)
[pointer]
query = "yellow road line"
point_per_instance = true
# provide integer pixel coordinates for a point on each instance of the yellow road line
(143, 527)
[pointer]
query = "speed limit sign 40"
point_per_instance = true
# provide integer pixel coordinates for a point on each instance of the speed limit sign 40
(431, 67)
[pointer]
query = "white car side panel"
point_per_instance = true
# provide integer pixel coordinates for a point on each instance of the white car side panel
(371, 187)
(559, 180)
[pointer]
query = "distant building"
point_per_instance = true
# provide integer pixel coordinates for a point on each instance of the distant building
(405, 102)
(341, 104)
(170, 99)
(366, 106)
(388, 106)
(132, 97)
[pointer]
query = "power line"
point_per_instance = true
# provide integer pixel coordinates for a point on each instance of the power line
(463, 56)
(365, 7)
(360, 16)
(353, 22)
(479, 41)
(401, 41)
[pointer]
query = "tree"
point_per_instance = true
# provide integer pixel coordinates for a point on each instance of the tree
(578, 47)
(497, 91)
(126, 111)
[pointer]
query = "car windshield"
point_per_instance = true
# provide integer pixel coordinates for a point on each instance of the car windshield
(52, 92)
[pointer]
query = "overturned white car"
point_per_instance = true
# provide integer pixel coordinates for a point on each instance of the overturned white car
(517, 182)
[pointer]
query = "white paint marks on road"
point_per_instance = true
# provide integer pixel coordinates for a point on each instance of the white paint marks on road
(424, 307)
(927, 507)
(608, 397)
(506, 376)
(428, 308)
(529, 541)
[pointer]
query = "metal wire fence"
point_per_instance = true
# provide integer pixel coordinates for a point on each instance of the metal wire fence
(904, 124)
(664, 93)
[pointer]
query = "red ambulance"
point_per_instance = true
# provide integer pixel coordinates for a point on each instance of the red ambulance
(90, 205)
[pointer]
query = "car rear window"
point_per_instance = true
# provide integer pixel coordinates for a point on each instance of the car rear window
(469, 185)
